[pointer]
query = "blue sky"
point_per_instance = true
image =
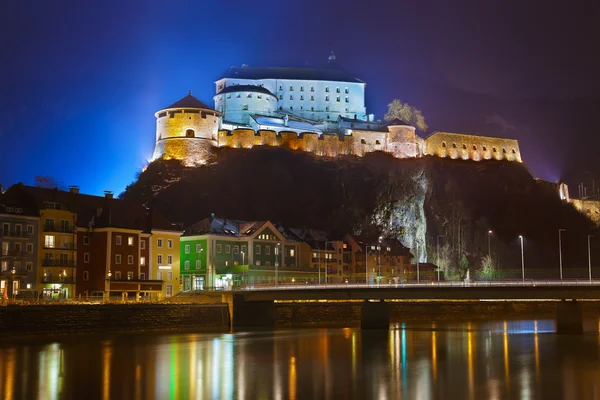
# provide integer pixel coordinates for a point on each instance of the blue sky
(82, 80)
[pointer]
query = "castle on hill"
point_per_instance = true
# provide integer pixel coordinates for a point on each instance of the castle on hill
(321, 111)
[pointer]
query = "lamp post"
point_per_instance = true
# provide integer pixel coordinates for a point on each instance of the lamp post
(243, 269)
(438, 255)
(522, 258)
(379, 262)
(560, 231)
(590, 257)
(109, 275)
(277, 265)
(490, 244)
(366, 264)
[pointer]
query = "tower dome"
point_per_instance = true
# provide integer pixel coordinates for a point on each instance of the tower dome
(186, 130)
(238, 102)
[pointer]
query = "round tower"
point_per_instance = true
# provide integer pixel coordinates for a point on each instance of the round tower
(401, 139)
(238, 102)
(186, 130)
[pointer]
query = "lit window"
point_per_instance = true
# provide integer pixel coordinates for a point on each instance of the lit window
(49, 241)
(118, 240)
(129, 275)
(130, 241)
(143, 261)
(159, 275)
(292, 252)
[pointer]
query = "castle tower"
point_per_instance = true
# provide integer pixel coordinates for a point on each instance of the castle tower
(186, 130)
(401, 139)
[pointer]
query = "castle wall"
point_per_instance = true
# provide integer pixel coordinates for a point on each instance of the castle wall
(469, 147)
(401, 141)
(367, 141)
(238, 106)
(183, 122)
(192, 151)
(590, 208)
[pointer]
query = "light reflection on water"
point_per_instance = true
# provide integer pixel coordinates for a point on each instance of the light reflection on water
(495, 360)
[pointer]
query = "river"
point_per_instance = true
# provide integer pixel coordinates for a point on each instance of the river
(483, 360)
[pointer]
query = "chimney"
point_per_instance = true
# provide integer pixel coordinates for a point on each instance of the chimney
(108, 194)
(74, 189)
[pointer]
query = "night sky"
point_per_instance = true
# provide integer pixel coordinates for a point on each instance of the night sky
(81, 80)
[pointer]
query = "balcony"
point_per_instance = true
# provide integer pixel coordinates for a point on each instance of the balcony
(64, 246)
(15, 234)
(59, 263)
(58, 229)
(58, 279)
(14, 253)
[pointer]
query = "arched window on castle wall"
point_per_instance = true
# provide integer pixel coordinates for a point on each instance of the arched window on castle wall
(464, 146)
(189, 133)
(474, 147)
(453, 145)
(362, 141)
(504, 150)
(494, 149)
(377, 142)
(513, 151)
(484, 148)
(443, 144)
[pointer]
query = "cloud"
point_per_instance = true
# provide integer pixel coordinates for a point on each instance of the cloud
(500, 122)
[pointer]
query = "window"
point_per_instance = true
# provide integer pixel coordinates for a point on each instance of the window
(291, 97)
(143, 261)
(243, 248)
(29, 266)
(494, 149)
(4, 266)
(169, 290)
(327, 109)
(117, 275)
(292, 252)
(276, 250)
(159, 258)
(249, 96)
(346, 90)
(443, 144)
(142, 244)
(267, 250)
(453, 145)
(280, 97)
(142, 276)
(377, 142)
(312, 88)
(169, 259)
(464, 146)
(244, 107)
(130, 259)
(189, 132)
(484, 148)
(291, 88)
(117, 259)
(362, 141)
(5, 228)
(326, 98)
(337, 99)
(159, 275)
(86, 240)
(198, 264)
(129, 275)
(130, 241)
(301, 97)
(169, 244)
(312, 98)
(30, 229)
(474, 147)
(49, 225)
(327, 89)
(219, 248)
(267, 262)
(29, 247)
(257, 250)
(187, 249)
(86, 275)
(227, 249)
(49, 241)
(280, 87)
(118, 240)
(64, 226)
(302, 88)
(347, 99)
(198, 248)
(86, 258)
(169, 276)
(337, 89)
(236, 249)
(159, 243)
(513, 151)
(504, 150)
(186, 265)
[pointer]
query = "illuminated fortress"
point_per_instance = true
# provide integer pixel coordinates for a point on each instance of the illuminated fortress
(321, 111)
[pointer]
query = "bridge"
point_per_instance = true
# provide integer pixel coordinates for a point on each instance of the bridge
(254, 306)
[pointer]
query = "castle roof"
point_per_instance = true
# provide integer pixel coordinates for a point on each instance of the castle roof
(397, 121)
(308, 74)
(189, 101)
(246, 88)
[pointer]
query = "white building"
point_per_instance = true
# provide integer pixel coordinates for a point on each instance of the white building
(309, 96)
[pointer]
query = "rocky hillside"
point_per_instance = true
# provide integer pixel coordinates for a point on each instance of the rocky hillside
(416, 200)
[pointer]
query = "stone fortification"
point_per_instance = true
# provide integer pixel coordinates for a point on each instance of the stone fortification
(470, 147)
(590, 208)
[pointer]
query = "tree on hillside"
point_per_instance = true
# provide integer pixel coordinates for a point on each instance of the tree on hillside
(404, 112)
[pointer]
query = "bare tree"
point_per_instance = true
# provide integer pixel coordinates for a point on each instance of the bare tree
(404, 112)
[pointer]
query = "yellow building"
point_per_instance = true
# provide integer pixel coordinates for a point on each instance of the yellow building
(164, 260)
(58, 253)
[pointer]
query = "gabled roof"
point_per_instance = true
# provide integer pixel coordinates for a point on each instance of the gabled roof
(189, 101)
(396, 247)
(308, 74)
(223, 227)
(397, 121)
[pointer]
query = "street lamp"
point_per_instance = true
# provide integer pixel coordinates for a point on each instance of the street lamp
(379, 262)
(109, 275)
(590, 256)
(277, 265)
(490, 244)
(522, 258)
(560, 231)
(438, 255)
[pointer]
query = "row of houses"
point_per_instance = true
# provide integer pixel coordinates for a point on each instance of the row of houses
(64, 244)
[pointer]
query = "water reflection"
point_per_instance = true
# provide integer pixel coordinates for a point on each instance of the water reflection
(476, 360)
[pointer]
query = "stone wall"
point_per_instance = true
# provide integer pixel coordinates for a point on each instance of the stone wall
(590, 208)
(192, 151)
(184, 122)
(65, 319)
(470, 147)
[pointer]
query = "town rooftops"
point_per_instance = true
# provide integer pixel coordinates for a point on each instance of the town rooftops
(223, 227)
(93, 211)
(397, 121)
(189, 101)
(303, 74)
